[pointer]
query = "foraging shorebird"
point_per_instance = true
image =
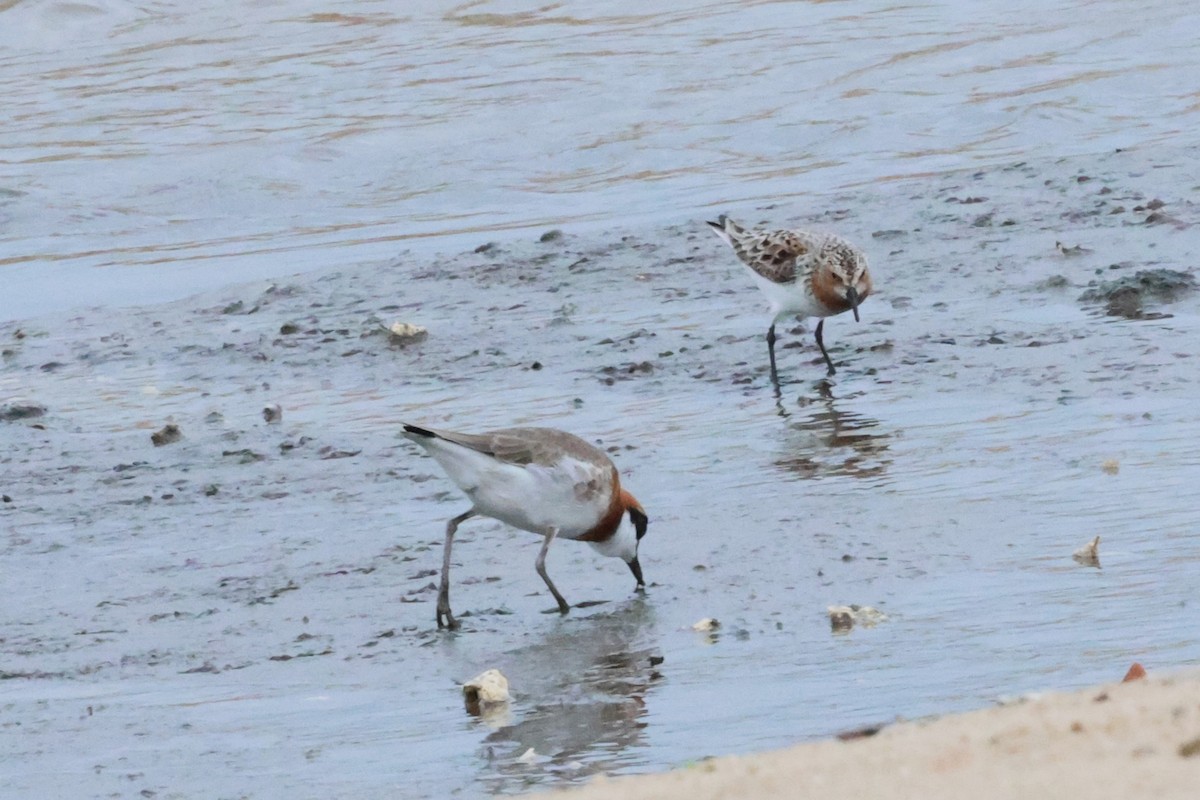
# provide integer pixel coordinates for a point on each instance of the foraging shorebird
(800, 272)
(541, 480)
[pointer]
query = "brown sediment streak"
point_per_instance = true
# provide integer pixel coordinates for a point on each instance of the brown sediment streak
(604, 529)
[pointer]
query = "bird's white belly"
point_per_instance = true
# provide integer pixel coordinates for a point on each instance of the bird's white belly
(535, 499)
(790, 298)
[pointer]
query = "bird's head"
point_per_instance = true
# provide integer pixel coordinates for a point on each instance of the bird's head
(851, 280)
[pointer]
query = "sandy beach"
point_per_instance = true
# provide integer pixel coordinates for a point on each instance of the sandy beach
(1140, 739)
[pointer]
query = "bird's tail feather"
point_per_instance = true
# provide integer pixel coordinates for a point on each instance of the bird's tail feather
(726, 228)
(413, 429)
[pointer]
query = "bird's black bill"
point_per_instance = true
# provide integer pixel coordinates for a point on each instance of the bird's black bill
(636, 568)
(852, 299)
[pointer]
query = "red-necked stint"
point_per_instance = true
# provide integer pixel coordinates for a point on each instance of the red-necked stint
(541, 480)
(800, 272)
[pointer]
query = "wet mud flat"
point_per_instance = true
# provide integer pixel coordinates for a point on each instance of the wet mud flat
(247, 608)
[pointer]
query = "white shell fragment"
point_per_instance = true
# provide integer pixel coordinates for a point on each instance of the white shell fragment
(706, 624)
(1089, 554)
(405, 332)
(843, 618)
(486, 688)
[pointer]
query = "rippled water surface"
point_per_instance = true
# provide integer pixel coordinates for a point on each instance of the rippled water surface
(206, 140)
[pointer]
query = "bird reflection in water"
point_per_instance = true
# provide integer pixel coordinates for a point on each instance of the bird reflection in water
(823, 440)
(587, 690)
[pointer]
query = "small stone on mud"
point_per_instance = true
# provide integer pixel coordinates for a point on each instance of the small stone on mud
(168, 435)
(1124, 302)
(245, 455)
(860, 733)
(329, 453)
(485, 689)
(288, 328)
(1190, 748)
(1124, 296)
(1089, 554)
(1158, 217)
(207, 666)
(551, 236)
(1075, 250)
(486, 247)
(272, 413)
(840, 618)
(17, 409)
(210, 490)
(1054, 282)
(706, 624)
(843, 618)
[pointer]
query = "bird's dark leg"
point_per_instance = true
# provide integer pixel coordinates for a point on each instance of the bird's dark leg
(563, 607)
(444, 618)
(771, 353)
(821, 344)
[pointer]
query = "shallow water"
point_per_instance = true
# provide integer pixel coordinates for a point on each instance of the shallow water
(156, 149)
(277, 637)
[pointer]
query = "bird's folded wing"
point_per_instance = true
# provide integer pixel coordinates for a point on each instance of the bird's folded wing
(773, 255)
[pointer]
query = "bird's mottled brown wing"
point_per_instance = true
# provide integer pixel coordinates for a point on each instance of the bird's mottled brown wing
(772, 255)
(522, 446)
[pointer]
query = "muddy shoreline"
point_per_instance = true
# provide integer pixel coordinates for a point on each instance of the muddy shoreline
(254, 601)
